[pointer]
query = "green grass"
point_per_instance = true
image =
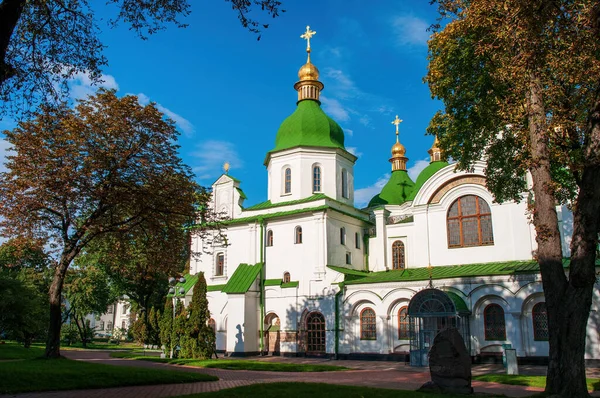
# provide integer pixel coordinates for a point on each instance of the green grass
(101, 346)
(65, 374)
(531, 381)
(234, 364)
(302, 390)
(12, 350)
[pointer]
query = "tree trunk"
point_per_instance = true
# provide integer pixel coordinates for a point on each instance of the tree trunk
(82, 330)
(55, 293)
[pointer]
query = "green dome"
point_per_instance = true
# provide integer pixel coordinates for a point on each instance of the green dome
(396, 191)
(425, 175)
(309, 126)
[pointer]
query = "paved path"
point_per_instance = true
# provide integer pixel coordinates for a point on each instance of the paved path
(393, 375)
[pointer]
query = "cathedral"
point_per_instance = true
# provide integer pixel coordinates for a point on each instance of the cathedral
(308, 273)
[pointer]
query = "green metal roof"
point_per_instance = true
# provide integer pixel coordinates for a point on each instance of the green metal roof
(242, 278)
(425, 175)
(190, 281)
(451, 271)
(290, 284)
(309, 126)
(348, 271)
(268, 205)
(214, 288)
(242, 194)
(459, 303)
(396, 191)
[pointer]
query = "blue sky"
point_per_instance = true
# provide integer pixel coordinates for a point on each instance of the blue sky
(229, 92)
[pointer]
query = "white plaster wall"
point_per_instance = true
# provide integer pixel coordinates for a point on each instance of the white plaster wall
(218, 307)
(336, 252)
(301, 162)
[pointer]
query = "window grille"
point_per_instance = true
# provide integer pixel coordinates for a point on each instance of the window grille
(220, 265)
(494, 323)
(316, 179)
(540, 322)
(315, 333)
(288, 181)
(368, 324)
(298, 234)
(403, 324)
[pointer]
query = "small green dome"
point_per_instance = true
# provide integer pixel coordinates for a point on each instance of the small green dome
(396, 191)
(309, 126)
(425, 175)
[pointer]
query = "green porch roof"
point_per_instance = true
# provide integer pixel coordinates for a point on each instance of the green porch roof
(452, 271)
(242, 194)
(279, 282)
(242, 278)
(214, 288)
(459, 303)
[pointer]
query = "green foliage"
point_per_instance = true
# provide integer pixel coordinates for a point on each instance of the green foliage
(69, 334)
(23, 308)
(179, 328)
(531, 381)
(139, 331)
(12, 350)
(166, 325)
(200, 338)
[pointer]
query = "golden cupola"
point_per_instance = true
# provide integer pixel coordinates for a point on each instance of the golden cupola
(308, 85)
(435, 152)
(398, 160)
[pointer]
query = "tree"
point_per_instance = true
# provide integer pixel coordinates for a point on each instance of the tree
(104, 167)
(87, 291)
(199, 340)
(43, 43)
(520, 84)
(166, 324)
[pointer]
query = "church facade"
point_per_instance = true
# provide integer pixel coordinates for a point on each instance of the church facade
(307, 273)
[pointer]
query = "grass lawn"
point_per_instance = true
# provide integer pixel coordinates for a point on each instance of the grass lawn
(234, 364)
(302, 390)
(531, 381)
(12, 350)
(102, 346)
(65, 374)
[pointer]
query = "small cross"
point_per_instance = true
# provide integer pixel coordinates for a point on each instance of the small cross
(226, 167)
(397, 122)
(307, 36)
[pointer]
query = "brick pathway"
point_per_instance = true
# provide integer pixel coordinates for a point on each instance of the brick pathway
(380, 374)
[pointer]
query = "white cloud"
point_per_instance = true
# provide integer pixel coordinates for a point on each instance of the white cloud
(413, 172)
(5, 147)
(354, 150)
(210, 156)
(335, 109)
(410, 31)
(81, 86)
(184, 125)
(362, 196)
(348, 132)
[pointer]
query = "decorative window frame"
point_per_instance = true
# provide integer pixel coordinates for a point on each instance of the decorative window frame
(317, 178)
(219, 272)
(478, 215)
(540, 325)
(403, 323)
(287, 180)
(269, 238)
(398, 255)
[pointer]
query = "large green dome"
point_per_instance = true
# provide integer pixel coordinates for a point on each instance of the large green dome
(425, 175)
(396, 191)
(309, 126)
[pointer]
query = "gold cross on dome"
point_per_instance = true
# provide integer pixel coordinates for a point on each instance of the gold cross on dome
(307, 36)
(226, 167)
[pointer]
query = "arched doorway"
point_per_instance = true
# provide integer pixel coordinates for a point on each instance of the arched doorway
(315, 333)
(272, 334)
(431, 311)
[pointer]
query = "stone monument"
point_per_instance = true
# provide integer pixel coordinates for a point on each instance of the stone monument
(449, 364)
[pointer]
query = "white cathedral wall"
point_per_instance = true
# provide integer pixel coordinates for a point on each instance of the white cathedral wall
(512, 232)
(218, 308)
(301, 162)
(336, 251)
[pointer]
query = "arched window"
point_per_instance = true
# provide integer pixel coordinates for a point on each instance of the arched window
(220, 264)
(270, 237)
(287, 180)
(286, 277)
(540, 322)
(343, 236)
(403, 324)
(494, 324)
(398, 257)
(298, 238)
(316, 179)
(344, 183)
(212, 324)
(123, 324)
(469, 222)
(368, 325)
